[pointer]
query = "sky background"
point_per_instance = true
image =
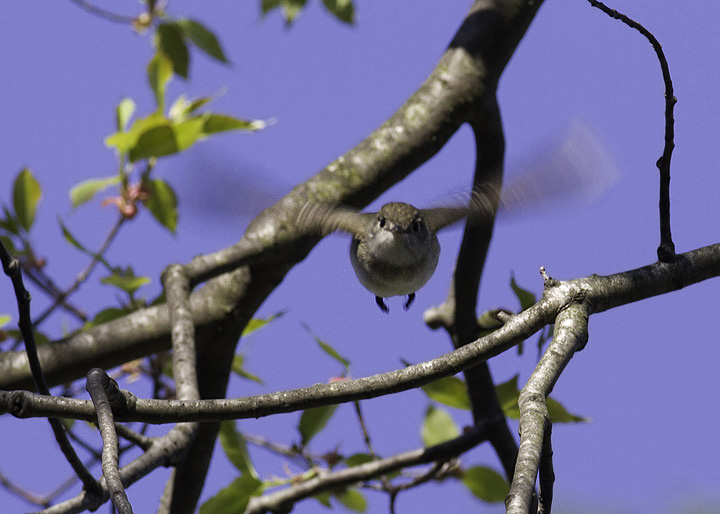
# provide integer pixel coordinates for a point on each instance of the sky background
(647, 377)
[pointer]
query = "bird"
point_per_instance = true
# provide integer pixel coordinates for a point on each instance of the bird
(395, 251)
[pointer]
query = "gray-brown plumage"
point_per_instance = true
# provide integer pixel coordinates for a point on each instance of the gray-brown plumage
(395, 251)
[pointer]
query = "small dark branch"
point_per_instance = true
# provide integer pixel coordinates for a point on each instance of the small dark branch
(84, 274)
(666, 250)
(546, 473)
(142, 441)
(103, 390)
(11, 267)
(282, 500)
(363, 427)
(41, 280)
(570, 336)
(102, 13)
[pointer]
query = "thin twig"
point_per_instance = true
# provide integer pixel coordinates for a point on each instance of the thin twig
(102, 13)
(11, 267)
(666, 250)
(84, 274)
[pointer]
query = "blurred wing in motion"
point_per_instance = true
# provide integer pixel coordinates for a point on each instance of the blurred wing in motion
(576, 167)
(322, 219)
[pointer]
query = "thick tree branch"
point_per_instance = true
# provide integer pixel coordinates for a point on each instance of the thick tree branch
(600, 293)
(571, 334)
(453, 94)
(101, 387)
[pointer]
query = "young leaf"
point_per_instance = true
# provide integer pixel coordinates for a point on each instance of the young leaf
(162, 203)
(559, 414)
(8, 222)
(4, 319)
(328, 349)
(341, 9)
(233, 498)
(358, 458)
(125, 280)
(352, 499)
(438, 427)
(508, 395)
(87, 189)
(313, 421)
(324, 498)
(486, 484)
(124, 141)
(222, 123)
(26, 195)
(237, 368)
(106, 315)
(236, 449)
(450, 391)
(526, 298)
(203, 38)
(74, 242)
(170, 41)
(291, 8)
(159, 72)
(258, 323)
(123, 113)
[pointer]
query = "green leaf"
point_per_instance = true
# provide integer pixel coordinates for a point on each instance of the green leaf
(236, 449)
(508, 395)
(170, 41)
(438, 427)
(123, 113)
(559, 414)
(221, 123)
(233, 498)
(106, 315)
(159, 71)
(312, 421)
(352, 499)
(328, 349)
(357, 459)
(258, 323)
(341, 9)
(486, 484)
(87, 189)
(26, 195)
(9, 222)
(450, 391)
(4, 319)
(162, 203)
(124, 141)
(203, 38)
(324, 498)
(291, 8)
(526, 298)
(74, 242)
(237, 367)
(125, 280)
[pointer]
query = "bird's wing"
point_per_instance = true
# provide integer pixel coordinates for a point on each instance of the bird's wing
(575, 167)
(479, 208)
(322, 219)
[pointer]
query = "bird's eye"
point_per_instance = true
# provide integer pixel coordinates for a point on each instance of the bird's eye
(416, 226)
(381, 222)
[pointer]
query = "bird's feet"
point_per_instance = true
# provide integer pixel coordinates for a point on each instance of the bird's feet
(410, 300)
(379, 301)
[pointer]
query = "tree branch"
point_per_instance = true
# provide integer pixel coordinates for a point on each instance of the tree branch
(570, 336)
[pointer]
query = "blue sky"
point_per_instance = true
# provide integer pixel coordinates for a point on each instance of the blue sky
(647, 378)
